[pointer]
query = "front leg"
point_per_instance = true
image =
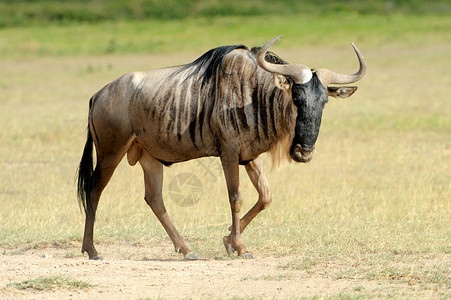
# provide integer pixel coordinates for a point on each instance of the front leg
(230, 165)
(257, 175)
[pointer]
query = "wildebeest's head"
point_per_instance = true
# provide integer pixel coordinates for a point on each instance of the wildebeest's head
(309, 91)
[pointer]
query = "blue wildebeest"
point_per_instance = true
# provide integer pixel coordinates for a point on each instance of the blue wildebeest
(231, 102)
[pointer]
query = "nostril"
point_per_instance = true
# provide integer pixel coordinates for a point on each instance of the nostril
(298, 154)
(307, 148)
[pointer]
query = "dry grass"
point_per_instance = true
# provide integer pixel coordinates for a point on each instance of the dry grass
(50, 283)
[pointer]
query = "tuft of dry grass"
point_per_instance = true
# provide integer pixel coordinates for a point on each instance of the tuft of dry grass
(50, 283)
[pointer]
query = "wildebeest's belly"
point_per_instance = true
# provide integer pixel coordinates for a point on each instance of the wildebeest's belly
(172, 150)
(172, 146)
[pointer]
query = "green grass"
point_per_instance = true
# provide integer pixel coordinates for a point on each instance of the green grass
(193, 34)
(31, 12)
(50, 283)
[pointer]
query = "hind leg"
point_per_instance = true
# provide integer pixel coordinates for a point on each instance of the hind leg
(102, 175)
(153, 179)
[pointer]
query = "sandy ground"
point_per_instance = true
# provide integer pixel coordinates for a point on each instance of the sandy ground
(115, 277)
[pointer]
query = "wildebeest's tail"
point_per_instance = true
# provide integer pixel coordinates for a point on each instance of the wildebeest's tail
(85, 176)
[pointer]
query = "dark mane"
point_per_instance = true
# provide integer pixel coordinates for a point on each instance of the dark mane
(209, 62)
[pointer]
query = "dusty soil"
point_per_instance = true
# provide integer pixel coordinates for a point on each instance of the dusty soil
(116, 277)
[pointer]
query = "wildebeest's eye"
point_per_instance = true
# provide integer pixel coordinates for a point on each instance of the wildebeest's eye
(298, 95)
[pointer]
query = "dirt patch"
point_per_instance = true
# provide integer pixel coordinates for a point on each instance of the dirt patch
(174, 278)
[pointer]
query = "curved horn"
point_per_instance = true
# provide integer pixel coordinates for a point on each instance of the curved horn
(299, 73)
(329, 77)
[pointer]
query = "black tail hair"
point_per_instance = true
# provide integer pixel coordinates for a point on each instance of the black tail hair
(85, 177)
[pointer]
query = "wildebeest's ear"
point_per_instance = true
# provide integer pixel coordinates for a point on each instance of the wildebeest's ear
(341, 91)
(282, 82)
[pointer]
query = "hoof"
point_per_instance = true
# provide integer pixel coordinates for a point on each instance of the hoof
(247, 255)
(228, 247)
(191, 256)
(96, 258)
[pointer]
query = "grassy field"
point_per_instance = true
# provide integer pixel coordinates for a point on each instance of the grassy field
(201, 34)
(377, 190)
(32, 12)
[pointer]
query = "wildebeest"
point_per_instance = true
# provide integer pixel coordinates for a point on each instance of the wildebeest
(231, 102)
